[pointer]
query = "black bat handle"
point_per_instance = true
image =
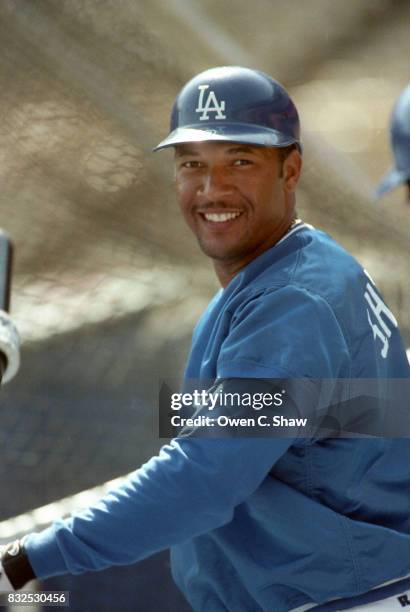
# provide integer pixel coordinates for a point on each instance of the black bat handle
(6, 262)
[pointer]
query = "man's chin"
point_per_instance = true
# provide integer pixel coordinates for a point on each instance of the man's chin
(220, 253)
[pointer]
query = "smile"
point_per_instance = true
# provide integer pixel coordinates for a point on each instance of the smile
(221, 217)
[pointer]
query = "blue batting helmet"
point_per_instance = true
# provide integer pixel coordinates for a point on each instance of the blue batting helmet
(400, 143)
(233, 104)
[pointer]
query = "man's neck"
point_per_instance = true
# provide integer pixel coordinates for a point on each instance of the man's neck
(226, 271)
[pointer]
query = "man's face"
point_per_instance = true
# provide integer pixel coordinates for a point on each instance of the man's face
(236, 198)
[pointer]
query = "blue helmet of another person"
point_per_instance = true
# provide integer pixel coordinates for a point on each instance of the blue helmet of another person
(400, 143)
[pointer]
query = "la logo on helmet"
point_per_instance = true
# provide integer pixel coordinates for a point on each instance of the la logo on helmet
(211, 104)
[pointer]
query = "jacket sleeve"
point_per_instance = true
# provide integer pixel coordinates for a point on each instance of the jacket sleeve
(191, 487)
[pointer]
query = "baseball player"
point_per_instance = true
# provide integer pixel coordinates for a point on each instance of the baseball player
(259, 523)
(400, 144)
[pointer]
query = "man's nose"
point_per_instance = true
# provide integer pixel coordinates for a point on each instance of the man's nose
(215, 183)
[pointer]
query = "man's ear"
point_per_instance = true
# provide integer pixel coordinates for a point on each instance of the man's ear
(292, 167)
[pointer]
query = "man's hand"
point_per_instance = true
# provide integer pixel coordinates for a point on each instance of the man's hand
(5, 584)
(15, 568)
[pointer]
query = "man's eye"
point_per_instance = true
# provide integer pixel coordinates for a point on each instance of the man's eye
(241, 162)
(191, 164)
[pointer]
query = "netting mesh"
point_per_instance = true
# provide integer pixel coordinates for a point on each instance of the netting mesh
(108, 282)
(86, 92)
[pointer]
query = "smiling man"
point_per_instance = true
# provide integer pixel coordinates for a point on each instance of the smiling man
(290, 520)
(238, 200)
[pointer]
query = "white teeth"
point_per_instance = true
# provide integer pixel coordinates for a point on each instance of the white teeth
(220, 217)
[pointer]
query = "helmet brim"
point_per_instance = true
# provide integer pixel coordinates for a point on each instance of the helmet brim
(391, 180)
(228, 132)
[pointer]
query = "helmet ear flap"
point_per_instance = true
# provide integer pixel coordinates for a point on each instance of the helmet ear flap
(234, 104)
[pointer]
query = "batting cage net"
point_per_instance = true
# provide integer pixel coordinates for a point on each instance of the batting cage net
(108, 282)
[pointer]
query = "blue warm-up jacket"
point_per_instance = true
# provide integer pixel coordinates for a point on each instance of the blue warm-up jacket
(268, 523)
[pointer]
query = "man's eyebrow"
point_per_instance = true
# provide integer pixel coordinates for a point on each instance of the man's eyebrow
(191, 150)
(180, 151)
(240, 149)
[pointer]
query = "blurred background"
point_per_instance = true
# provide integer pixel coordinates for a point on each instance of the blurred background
(108, 282)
